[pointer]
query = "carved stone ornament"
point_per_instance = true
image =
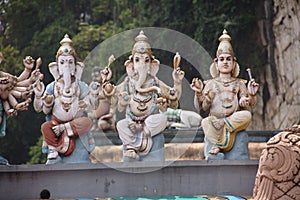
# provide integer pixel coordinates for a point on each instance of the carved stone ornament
(278, 175)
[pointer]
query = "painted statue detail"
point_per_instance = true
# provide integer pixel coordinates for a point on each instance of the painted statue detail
(15, 92)
(227, 98)
(63, 102)
(141, 95)
(278, 175)
(13, 88)
(99, 111)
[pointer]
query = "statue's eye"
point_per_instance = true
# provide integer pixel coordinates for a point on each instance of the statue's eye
(137, 59)
(147, 60)
(70, 61)
(61, 62)
(229, 59)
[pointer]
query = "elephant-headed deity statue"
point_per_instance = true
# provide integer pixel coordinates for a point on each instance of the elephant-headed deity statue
(148, 101)
(102, 119)
(13, 89)
(63, 101)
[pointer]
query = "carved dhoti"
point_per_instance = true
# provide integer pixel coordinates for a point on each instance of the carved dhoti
(224, 136)
(64, 143)
(139, 140)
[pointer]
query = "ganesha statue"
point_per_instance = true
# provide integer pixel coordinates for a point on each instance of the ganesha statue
(228, 100)
(149, 103)
(102, 119)
(63, 103)
(15, 92)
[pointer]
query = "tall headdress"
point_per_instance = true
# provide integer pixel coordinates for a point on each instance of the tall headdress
(66, 48)
(141, 45)
(224, 47)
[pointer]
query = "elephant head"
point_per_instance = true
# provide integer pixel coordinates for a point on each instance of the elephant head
(142, 66)
(66, 69)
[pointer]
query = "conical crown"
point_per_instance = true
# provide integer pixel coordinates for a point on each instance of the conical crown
(141, 45)
(225, 45)
(66, 47)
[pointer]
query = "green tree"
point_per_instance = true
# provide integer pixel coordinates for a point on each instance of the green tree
(240, 19)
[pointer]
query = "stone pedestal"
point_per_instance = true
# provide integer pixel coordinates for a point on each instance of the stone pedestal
(79, 155)
(3, 161)
(239, 150)
(157, 152)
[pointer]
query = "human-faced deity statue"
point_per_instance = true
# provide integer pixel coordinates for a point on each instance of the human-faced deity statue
(227, 99)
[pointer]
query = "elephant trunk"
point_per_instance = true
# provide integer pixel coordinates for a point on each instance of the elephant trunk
(67, 85)
(149, 89)
(141, 80)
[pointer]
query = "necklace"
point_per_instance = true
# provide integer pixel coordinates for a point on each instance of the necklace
(153, 95)
(66, 105)
(140, 119)
(225, 81)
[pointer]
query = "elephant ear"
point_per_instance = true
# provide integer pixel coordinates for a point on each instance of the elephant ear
(79, 70)
(53, 68)
(129, 67)
(154, 67)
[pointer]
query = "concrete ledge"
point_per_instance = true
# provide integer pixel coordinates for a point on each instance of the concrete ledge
(184, 178)
(185, 135)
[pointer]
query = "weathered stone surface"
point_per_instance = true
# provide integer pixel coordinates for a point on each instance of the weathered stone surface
(278, 175)
(282, 74)
(239, 150)
(156, 153)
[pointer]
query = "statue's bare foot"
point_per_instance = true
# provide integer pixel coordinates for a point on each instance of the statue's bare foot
(214, 150)
(58, 129)
(218, 123)
(131, 153)
(52, 154)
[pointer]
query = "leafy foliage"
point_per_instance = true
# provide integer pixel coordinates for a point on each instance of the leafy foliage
(239, 18)
(35, 153)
